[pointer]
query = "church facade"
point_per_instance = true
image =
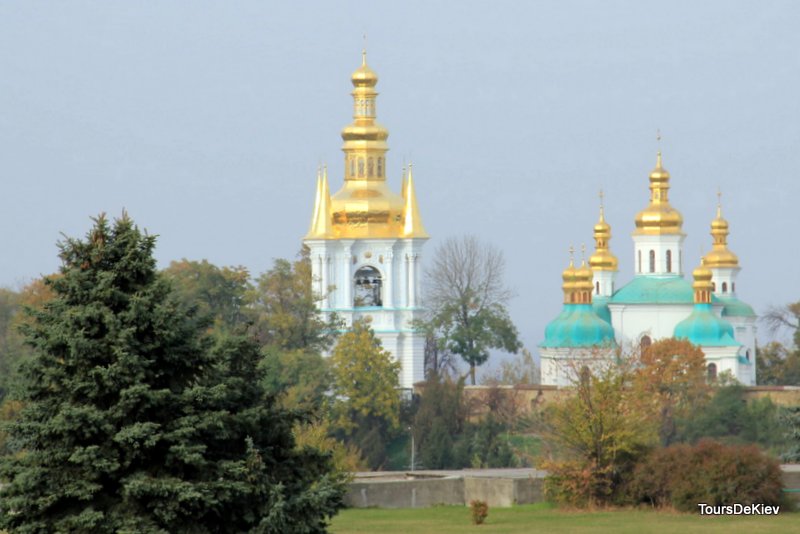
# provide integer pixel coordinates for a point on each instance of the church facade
(366, 241)
(599, 320)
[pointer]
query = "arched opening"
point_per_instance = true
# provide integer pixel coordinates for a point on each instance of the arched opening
(652, 261)
(352, 167)
(669, 261)
(747, 354)
(597, 288)
(714, 287)
(360, 167)
(367, 284)
(640, 262)
(645, 343)
(724, 287)
(733, 287)
(370, 167)
(380, 167)
(711, 371)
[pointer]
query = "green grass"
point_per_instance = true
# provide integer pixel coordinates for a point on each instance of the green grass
(544, 518)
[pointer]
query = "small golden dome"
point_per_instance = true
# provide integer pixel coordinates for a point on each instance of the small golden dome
(602, 259)
(568, 276)
(363, 75)
(703, 287)
(583, 278)
(659, 217)
(720, 255)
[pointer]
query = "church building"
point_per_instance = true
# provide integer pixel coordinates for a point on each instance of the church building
(599, 320)
(366, 240)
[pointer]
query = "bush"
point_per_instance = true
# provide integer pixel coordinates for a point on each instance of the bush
(709, 472)
(577, 483)
(479, 511)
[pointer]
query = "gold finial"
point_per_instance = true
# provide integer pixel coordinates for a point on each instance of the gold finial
(583, 253)
(719, 202)
(658, 135)
(571, 257)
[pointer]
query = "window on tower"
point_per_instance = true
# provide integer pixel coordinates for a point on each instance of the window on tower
(360, 167)
(733, 287)
(371, 167)
(669, 261)
(724, 287)
(645, 343)
(640, 262)
(652, 261)
(597, 288)
(711, 371)
(352, 167)
(368, 285)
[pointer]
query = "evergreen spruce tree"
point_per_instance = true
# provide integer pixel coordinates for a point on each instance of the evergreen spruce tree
(135, 423)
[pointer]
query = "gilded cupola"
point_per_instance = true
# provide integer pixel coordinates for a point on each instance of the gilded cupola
(720, 255)
(568, 278)
(365, 207)
(703, 287)
(602, 259)
(659, 217)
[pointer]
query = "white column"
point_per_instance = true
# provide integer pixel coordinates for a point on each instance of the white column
(324, 279)
(388, 294)
(347, 278)
(412, 280)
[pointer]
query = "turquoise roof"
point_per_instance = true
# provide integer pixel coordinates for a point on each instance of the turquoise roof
(600, 305)
(644, 289)
(734, 307)
(705, 329)
(578, 326)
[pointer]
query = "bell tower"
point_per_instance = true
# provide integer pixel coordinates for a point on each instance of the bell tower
(366, 240)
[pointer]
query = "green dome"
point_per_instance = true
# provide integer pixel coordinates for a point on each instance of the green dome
(705, 329)
(578, 326)
(733, 307)
(600, 305)
(645, 289)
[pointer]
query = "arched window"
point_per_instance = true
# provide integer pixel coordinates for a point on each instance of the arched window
(652, 261)
(669, 261)
(645, 343)
(733, 287)
(380, 167)
(370, 167)
(747, 354)
(367, 284)
(353, 167)
(640, 261)
(361, 167)
(711, 371)
(597, 288)
(724, 287)
(714, 287)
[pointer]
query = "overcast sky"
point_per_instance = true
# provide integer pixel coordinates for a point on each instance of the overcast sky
(206, 121)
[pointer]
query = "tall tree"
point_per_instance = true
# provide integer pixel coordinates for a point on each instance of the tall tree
(219, 292)
(285, 309)
(132, 423)
(671, 381)
(467, 298)
(366, 387)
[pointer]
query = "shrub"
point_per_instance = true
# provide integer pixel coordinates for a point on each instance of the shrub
(577, 483)
(479, 510)
(709, 472)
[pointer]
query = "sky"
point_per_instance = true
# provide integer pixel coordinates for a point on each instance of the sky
(206, 122)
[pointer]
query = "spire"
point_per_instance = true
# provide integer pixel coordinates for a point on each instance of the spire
(720, 255)
(659, 217)
(602, 259)
(321, 219)
(403, 186)
(412, 222)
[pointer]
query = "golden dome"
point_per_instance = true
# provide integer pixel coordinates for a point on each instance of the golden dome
(568, 277)
(720, 255)
(602, 259)
(583, 278)
(703, 287)
(365, 206)
(659, 217)
(363, 75)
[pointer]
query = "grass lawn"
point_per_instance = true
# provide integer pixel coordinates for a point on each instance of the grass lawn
(544, 518)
